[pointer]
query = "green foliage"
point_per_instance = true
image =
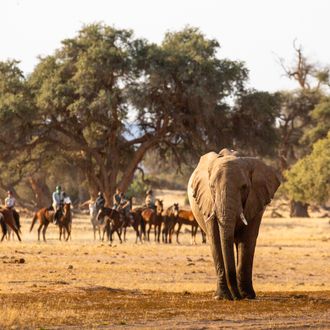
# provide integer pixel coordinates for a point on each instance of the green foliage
(320, 122)
(254, 123)
(137, 188)
(308, 180)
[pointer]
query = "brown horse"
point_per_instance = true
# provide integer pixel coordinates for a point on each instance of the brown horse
(154, 218)
(170, 219)
(65, 221)
(44, 216)
(134, 220)
(186, 217)
(110, 221)
(7, 219)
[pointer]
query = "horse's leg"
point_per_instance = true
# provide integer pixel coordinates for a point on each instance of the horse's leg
(15, 230)
(119, 235)
(178, 232)
(94, 230)
(60, 231)
(193, 234)
(39, 230)
(44, 231)
(124, 234)
(159, 231)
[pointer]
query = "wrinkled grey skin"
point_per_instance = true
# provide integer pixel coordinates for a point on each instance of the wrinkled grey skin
(222, 189)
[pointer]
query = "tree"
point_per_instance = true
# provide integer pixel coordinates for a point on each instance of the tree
(105, 98)
(308, 181)
(296, 114)
(254, 123)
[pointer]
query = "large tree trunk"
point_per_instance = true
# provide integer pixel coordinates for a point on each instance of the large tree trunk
(41, 191)
(298, 209)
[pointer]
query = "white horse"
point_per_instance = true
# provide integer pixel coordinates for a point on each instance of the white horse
(94, 221)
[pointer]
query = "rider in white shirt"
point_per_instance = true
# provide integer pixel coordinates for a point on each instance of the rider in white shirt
(10, 203)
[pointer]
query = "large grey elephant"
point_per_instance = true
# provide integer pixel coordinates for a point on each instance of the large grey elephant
(228, 195)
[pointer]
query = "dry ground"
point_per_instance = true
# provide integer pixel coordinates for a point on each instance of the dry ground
(88, 284)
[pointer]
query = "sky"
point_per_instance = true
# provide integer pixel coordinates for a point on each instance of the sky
(256, 32)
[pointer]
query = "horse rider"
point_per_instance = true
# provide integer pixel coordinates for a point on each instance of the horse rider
(100, 202)
(125, 207)
(66, 198)
(10, 203)
(57, 203)
(116, 199)
(150, 199)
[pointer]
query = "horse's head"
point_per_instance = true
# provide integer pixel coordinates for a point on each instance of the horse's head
(159, 206)
(66, 209)
(175, 209)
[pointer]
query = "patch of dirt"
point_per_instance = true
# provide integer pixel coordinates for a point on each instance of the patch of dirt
(102, 307)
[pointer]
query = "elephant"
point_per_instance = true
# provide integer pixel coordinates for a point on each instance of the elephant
(228, 195)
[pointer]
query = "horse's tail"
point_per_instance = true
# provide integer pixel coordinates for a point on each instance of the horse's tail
(34, 220)
(3, 225)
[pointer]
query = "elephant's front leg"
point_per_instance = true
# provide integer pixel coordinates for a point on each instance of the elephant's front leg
(246, 243)
(222, 291)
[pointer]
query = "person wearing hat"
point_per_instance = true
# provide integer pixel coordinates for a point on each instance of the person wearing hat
(150, 199)
(57, 203)
(10, 203)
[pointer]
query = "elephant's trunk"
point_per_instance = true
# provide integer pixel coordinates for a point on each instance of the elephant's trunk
(227, 247)
(227, 214)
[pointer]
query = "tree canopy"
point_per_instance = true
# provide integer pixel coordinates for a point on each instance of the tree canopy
(308, 181)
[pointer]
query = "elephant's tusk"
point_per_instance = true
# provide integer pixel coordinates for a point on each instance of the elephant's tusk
(243, 219)
(210, 217)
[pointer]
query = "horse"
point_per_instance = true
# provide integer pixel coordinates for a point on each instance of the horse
(65, 221)
(7, 219)
(186, 217)
(10, 233)
(170, 219)
(154, 218)
(132, 219)
(94, 221)
(44, 216)
(111, 221)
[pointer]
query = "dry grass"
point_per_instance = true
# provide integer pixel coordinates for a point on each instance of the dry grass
(89, 284)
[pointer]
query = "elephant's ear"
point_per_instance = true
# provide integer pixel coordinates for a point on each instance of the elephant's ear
(201, 184)
(264, 183)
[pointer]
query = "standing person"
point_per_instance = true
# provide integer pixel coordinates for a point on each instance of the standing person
(57, 203)
(100, 202)
(116, 199)
(150, 199)
(10, 203)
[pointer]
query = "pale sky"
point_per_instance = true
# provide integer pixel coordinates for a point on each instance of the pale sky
(253, 31)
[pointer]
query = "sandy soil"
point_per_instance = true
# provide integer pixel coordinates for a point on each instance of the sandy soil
(88, 284)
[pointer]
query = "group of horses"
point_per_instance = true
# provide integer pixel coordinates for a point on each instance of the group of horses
(143, 219)
(107, 221)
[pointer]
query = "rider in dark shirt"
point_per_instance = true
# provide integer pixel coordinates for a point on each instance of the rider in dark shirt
(100, 201)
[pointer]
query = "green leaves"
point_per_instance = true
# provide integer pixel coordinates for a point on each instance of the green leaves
(309, 179)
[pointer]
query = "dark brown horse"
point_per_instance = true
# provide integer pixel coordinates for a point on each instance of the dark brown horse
(154, 217)
(65, 222)
(132, 219)
(44, 216)
(7, 219)
(110, 221)
(170, 219)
